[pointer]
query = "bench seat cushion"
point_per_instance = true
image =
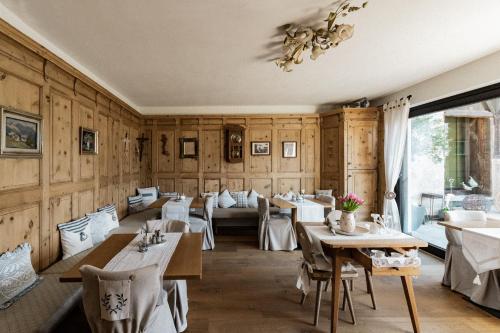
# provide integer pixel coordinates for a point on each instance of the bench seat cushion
(42, 308)
(239, 213)
(133, 223)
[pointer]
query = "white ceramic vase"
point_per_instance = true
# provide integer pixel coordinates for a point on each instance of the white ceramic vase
(347, 222)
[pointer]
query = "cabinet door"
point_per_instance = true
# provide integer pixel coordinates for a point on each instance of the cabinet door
(364, 184)
(362, 144)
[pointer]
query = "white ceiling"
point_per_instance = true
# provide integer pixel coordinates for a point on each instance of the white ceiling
(166, 53)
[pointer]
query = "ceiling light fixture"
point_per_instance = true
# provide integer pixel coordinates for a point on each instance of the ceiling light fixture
(299, 39)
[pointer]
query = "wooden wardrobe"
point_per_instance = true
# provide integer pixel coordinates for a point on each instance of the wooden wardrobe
(350, 155)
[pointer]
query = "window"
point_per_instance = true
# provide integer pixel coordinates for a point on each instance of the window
(452, 162)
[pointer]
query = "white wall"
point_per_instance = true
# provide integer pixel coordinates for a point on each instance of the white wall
(476, 74)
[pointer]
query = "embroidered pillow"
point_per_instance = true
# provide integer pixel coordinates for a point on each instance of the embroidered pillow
(100, 224)
(225, 200)
(17, 275)
(252, 199)
(149, 195)
(322, 192)
(135, 204)
(215, 195)
(75, 236)
(111, 209)
(241, 198)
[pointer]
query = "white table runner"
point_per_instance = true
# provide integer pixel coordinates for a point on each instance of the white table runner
(130, 258)
(481, 248)
(176, 210)
(308, 211)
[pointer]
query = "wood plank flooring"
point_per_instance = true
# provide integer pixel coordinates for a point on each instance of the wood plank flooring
(247, 290)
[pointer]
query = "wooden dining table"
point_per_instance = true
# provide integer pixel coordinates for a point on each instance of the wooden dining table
(285, 204)
(196, 203)
(185, 264)
(489, 223)
(349, 249)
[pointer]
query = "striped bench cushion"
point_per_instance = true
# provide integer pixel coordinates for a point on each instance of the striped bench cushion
(110, 209)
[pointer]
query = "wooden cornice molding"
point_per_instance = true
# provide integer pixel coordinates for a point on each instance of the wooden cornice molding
(26, 41)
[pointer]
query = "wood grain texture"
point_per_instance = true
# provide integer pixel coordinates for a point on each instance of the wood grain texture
(185, 264)
(63, 185)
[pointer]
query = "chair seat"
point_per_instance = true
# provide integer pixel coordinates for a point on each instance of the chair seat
(197, 224)
(279, 218)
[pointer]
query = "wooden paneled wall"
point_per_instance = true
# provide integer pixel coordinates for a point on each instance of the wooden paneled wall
(210, 172)
(37, 194)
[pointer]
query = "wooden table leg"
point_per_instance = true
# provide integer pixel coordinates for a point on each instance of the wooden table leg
(410, 300)
(337, 271)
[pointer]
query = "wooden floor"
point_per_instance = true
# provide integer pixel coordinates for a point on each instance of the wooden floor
(247, 290)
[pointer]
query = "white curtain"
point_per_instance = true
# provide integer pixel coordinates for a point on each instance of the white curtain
(395, 128)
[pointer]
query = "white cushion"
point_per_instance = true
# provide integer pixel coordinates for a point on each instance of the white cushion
(317, 192)
(101, 223)
(215, 195)
(75, 242)
(17, 275)
(111, 209)
(240, 198)
(149, 195)
(225, 200)
(252, 199)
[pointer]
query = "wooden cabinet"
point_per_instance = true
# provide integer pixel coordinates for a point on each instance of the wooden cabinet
(349, 145)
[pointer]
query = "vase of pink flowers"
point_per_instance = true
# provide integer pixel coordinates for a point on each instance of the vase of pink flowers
(350, 203)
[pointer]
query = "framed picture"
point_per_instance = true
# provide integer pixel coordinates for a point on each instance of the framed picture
(20, 133)
(88, 141)
(189, 148)
(289, 149)
(261, 147)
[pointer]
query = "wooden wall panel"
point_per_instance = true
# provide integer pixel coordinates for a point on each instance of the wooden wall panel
(260, 163)
(234, 184)
(289, 164)
(166, 151)
(212, 185)
(166, 184)
(289, 184)
(61, 139)
(20, 225)
(36, 194)
(60, 212)
(212, 149)
(211, 172)
(126, 149)
(134, 158)
(86, 161)
(263, 186)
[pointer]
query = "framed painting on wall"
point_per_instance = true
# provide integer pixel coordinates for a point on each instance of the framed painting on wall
(88, 141)
(20, 133)
(289, 149)
(261, 148)
(189, 148)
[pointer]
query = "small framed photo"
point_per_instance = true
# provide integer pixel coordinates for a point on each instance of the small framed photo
(88, 141)
(189, 148)
(261, 148)
(20, 133)
(289, 149)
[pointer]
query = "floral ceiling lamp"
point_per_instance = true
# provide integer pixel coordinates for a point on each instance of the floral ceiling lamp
(299, 39)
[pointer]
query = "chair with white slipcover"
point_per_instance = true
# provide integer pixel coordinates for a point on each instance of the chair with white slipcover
(142, 307)
(203, 223)
(276, 232)
(176, 289)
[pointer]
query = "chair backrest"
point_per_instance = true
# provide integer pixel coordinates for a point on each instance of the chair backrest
(327, 198)
(305, 243)
(167, 225)
(100, 296)
(208, 207)
(263, 209)
(465, 215)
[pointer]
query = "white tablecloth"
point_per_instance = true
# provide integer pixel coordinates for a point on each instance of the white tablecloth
(308, 211)
(176, 210)
(130, 258)
(481, 248)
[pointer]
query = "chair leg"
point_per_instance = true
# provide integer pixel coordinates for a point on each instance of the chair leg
(349, 300)
(369, 287)
(352, 285)
(319, 290)
(303, 299)
(327, 284)
(344, 297)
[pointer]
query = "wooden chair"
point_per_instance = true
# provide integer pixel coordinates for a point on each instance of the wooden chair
(276, 232)
(203, 223)
(320, 270)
